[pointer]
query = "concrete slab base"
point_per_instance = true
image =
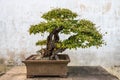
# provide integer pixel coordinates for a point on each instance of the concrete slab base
(75, 73)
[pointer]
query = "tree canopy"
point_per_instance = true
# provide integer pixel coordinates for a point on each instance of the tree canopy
(83, 33)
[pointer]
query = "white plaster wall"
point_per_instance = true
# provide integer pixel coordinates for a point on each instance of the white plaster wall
(16, 16)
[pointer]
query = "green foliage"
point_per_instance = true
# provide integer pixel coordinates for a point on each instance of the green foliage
(85, 34)
(59, 14)
(41, 42)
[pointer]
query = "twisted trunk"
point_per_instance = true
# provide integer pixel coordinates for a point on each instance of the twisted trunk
(51, 50)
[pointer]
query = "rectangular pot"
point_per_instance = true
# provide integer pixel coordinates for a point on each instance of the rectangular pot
(47, 67)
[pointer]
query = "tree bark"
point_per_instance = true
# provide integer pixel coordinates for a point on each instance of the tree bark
(51, 49)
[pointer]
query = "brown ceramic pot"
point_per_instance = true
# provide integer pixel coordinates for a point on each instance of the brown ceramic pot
(47, 67)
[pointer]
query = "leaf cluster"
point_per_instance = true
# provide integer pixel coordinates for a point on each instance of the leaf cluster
(85, 33)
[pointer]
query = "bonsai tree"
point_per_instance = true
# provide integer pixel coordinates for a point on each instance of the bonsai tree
(82, 33)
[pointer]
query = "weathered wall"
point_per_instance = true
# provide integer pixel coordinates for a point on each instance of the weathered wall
(16, 16)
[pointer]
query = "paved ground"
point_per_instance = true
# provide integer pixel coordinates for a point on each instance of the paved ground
(115, 70)
(75, 73)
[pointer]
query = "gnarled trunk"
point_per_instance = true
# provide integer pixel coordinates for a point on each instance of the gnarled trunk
(51, 50)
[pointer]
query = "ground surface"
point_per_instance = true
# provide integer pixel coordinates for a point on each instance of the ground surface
(115, 70)
(4, 69)
(75, 73)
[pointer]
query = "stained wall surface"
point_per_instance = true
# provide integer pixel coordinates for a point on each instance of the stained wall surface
(16, 16)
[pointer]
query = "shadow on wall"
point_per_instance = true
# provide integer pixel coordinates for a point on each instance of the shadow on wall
(12, 58)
